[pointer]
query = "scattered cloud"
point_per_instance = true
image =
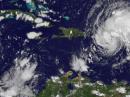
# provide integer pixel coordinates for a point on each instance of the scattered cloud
(14, 82)
(79, 64)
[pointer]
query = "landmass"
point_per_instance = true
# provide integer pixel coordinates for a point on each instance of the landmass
(65, 87)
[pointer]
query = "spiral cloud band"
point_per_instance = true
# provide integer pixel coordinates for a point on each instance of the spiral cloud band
(109, 21)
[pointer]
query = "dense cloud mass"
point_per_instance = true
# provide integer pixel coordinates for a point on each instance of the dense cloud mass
(108, 21)
(14, 82)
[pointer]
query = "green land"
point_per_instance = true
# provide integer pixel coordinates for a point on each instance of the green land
(69, 33)
(59, 88)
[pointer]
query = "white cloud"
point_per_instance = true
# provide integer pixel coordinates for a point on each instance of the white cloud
(38, 20)
(121, 90)
(57, 95)
(28, 1)
(79, 64)
(14, 81)
(33, 35)
(44, 24)
(127, 95)
(95, 92)
(55, 78)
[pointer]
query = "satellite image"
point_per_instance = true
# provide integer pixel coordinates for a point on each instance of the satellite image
(64, 48)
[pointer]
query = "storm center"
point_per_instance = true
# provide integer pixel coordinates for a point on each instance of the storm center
(114, 32)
